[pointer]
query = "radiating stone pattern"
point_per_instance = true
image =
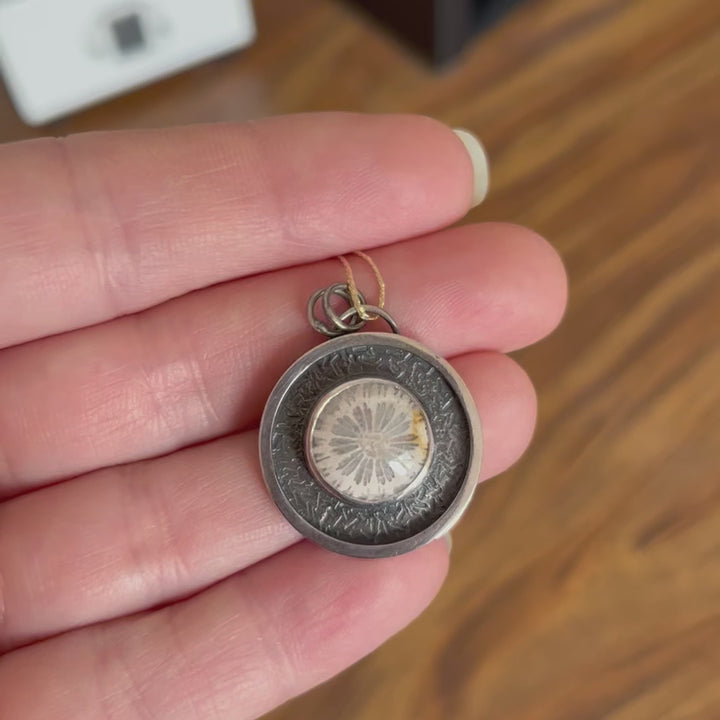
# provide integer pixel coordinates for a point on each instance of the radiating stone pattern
(369, 440)
(371, 523)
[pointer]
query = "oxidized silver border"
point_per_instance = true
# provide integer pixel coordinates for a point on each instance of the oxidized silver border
(273, 431)
(315, 471)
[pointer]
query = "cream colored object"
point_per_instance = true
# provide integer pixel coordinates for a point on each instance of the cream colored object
(369, 440)
(479, 160)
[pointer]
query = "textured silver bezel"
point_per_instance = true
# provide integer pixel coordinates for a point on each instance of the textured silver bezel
(373, 529)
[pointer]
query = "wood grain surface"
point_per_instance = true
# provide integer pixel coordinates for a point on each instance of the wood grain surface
(584, 583)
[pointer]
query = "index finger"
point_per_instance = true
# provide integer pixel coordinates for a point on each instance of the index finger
(104, 224)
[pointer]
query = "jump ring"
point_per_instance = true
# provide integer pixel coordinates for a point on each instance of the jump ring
(378, 312)
(316, 324)
(341, 290)
(340, 325)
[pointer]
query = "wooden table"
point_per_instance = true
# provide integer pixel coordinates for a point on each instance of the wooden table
(585, 583)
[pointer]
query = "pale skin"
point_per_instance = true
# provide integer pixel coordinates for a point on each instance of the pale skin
(152, 290)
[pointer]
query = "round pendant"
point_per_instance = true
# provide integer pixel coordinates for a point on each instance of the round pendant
(370, 445)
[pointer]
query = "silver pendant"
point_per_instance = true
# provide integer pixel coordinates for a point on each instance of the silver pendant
(370, 443)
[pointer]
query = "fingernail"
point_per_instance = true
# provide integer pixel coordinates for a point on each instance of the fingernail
(448, 541)
(479, 160)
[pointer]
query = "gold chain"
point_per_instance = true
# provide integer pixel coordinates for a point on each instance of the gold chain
(352, 287)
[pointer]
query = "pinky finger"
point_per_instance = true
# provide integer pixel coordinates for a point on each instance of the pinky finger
(235, 651)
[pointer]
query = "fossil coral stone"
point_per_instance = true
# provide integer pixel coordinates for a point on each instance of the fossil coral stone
(369, 440)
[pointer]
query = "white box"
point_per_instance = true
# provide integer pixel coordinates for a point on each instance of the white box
(61, 55)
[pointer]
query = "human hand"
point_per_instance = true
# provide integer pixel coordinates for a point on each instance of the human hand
(152, 289)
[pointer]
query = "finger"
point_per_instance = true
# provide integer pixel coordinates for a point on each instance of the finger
(123, 539)
(236, 650)
(100, 225)
(202, 365)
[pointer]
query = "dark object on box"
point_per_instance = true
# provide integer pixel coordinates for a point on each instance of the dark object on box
(439, 29)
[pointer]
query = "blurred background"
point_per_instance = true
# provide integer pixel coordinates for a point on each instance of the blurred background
(585, 583)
